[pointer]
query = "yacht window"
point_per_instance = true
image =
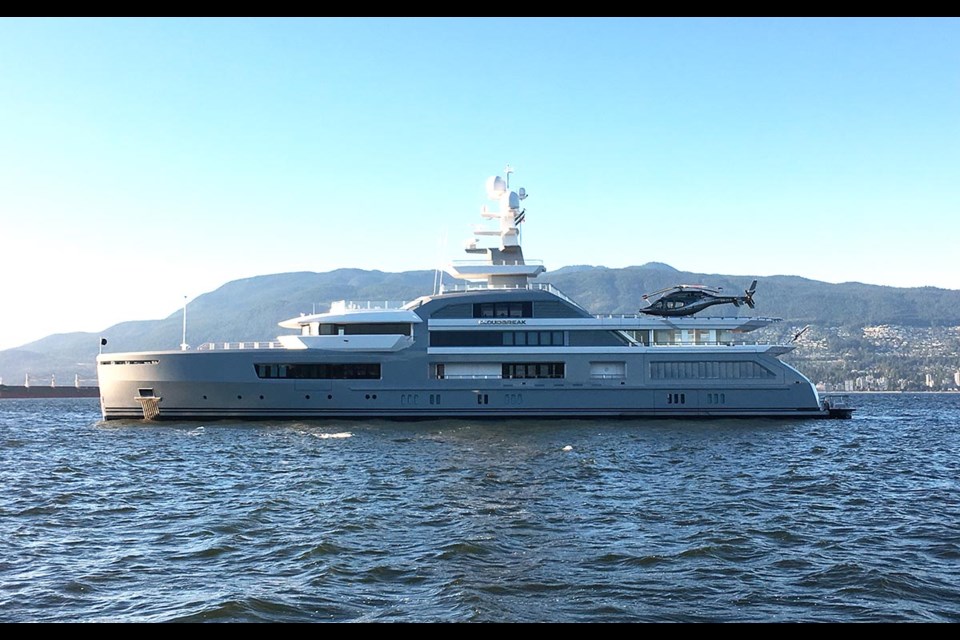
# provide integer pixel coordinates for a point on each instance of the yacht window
(375, 328)
(506, 338)
(533, 370)
(320, 371)
(533, 338)
(466, 339)
(690, 370)
(503, 310)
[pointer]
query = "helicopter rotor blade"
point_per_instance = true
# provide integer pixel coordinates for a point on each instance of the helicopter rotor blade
(658, 292)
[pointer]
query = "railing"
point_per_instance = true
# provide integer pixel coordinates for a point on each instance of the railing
(487, 263)
(530, 286)
(709, 343)
(228, 346)
(341, 306)
(837, 401)
(641, 316)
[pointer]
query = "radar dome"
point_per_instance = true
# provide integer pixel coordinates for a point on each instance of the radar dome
(496, 186)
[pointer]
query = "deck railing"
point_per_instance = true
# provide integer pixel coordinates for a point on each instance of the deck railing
(711, 343)
(235, 346)
(341, 306)
(530, 286)
(487, 263)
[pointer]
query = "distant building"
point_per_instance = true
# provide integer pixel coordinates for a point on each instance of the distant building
(929, 381)
(956, 378)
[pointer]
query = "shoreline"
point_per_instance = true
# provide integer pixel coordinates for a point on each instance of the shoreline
(12, 392)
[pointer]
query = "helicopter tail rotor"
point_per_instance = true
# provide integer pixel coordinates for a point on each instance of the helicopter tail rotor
(748, 295)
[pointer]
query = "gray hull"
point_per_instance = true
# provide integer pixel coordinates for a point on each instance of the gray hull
(207, 385)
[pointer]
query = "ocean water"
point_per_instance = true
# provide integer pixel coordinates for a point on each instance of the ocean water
(518, 521)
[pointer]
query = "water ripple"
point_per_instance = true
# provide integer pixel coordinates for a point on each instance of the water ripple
(457, 521)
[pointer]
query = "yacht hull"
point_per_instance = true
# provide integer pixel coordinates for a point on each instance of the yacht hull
(204, 385)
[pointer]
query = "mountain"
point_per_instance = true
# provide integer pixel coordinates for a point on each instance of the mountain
(249, 309)
(797, 299)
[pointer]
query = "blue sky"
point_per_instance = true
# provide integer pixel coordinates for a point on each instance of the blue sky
(142, 160)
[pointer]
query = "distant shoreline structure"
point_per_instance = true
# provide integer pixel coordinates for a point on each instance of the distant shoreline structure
(22, 392)
(898, 392)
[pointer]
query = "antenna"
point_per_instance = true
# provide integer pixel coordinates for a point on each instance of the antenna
(183, 344)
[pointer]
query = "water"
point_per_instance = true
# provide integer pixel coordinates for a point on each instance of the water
(731, 520)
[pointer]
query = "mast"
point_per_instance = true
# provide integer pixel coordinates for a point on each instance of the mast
(504, 265)
(183, 343)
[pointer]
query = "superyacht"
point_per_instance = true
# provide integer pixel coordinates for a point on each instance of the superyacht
(497, 345)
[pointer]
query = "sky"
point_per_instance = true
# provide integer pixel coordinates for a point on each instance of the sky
(148, 161)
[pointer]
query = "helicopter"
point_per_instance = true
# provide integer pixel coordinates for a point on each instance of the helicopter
(687, 299)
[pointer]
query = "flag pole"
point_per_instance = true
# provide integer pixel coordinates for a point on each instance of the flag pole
(183, 344)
